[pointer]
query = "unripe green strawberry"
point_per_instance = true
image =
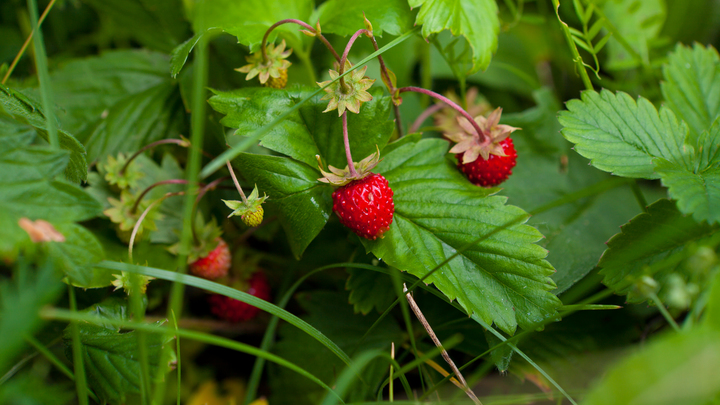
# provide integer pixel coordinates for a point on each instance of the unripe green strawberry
(278, 82)
(253, 219)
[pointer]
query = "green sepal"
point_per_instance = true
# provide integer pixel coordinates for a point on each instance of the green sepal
(207, 236)
(252, 205)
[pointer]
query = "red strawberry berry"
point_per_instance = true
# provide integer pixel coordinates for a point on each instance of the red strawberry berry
(233, 310)
(365, 206)
(215, 265)
(494, 170)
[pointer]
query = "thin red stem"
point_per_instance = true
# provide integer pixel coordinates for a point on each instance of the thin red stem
(302, 24)
(150, 146)
(201, 193)
(425, 114)
(349, 45)
(486, 138)
(346, 139)
(152, 186)
(391, 89)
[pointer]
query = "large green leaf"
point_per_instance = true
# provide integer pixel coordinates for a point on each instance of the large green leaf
(76, 256)
(344, 18)
(648, 238)
(26, 174)
(111, 357)
(85, 88)
(676, 369)
(29, 112)
(692, 85)
(476, 20)
(302, 203)
(638, 23)
(157, 24)
(547, 171)
(696, 184)
(503, 279)
(309, 131)
(249, 19)
(621, 136)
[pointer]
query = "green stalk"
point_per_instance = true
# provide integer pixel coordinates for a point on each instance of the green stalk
(576, 55)
(43, 77)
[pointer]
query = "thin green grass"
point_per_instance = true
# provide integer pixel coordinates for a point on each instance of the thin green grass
(43, 77)
(80, 382)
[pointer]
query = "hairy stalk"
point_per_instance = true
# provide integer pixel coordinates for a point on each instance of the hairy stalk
(346, 140)
(435, 340)
(423, 116)
(152, 186)
(303, 24)
(180, 142)
(483, 135)
(235, 180)
(27, 42)
(349, 45)
(142, 217)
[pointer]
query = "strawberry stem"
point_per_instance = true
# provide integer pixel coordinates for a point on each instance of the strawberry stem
(237, 185)
(303, 24)
(349, 45)
(201, 193)
(142, 217)
(423, 116)
(152, 186)
(388, 82)
(180, 142)
(485, 137)
(346, 139)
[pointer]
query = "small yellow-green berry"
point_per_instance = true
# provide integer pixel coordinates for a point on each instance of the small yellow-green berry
(253, 219)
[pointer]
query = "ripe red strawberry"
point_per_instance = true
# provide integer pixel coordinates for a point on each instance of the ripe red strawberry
(215, 265)
(365, 206)
(233, 310)
(494, 170)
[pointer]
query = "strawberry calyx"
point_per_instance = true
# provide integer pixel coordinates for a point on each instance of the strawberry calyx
(125, 213)
(341, 177)
(447, 118)
(208, 236)
(250, 211)
(124, 281)
(470, 145)
(113, 172)
(274, 67)
(350, 96)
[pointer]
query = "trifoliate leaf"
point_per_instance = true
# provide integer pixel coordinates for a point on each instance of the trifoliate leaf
(111, 357)
(622, 136)
(503, 279)
(26, 111)
(476, 20)
(692, 85)
(649, 238)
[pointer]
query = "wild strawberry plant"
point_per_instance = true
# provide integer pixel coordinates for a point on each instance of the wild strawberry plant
(252, 195)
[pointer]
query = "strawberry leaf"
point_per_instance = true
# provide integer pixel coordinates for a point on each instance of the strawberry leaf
(309, 131)
(621, 136)
(76, 256)
(503, 279)
(344, 18)
(27, 111)
(110, 356)
(249, 19)
(26, 174)
(476, 20)
(692, 85)
(649, 238)
(369, 290)
(302, 203)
